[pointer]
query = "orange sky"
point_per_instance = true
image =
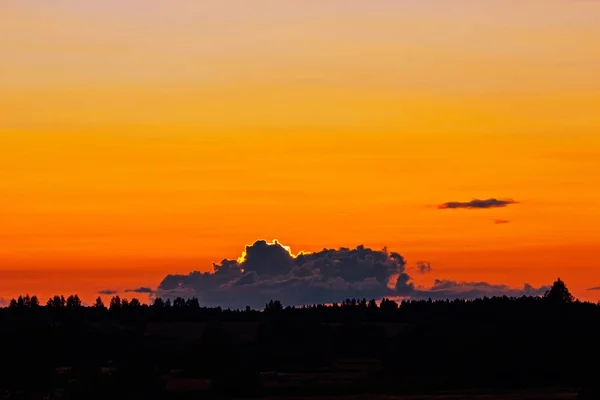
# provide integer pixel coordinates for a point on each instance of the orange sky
(148, 138)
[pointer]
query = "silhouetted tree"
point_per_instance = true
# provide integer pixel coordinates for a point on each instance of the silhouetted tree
(115, 303)
(373, 305)
(24, 302)
(192, 303)
(363, 304)
(158, 303)
(135, 303)
(99, 304)
(73, 302)
(34, 302)
(179, 302)
(387, 304)
(559, 293)
(56, 302)
(273, 306)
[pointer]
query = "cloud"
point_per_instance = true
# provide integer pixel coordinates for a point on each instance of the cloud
(423, 267)
(141, 290)
(594, 288)
(447, 289)
(501, 221)
(108, 292)
(477, 204)
(271, 271)
(3, 302)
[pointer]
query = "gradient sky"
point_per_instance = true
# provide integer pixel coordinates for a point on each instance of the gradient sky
(149, 137)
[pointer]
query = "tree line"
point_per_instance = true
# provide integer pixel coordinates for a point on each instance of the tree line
(557, 294)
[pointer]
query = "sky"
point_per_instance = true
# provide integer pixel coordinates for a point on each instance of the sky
(142, 140)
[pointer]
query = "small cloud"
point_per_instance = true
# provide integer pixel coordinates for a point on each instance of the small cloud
(477, 204)
(140, 290)
(501, 221)
(423, 267)
(594, 288)
(3, 302)
(108, 292)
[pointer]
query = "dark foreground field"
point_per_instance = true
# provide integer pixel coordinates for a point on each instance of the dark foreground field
(456, 396)
(453, 396)
(498, 348)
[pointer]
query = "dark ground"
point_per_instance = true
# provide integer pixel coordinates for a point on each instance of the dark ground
(499, 348)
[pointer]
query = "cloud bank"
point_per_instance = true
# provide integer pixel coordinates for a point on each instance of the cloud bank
(477, 204)
(271, 271)
(446, 289)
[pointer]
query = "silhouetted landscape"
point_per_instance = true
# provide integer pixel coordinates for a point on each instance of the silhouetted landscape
(527, 347)
(316, 200)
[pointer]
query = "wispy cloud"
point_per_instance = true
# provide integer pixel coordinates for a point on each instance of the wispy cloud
(477, 204)
(108, 292)
(141, 290)
(594, 288)
(501, 221)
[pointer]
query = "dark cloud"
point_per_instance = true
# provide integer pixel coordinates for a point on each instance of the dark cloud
(594, 288)
(447, 289)
(140, 290)
(270, 271)
(501, 221)
(477, 204)
(423, 267)
(108, 292)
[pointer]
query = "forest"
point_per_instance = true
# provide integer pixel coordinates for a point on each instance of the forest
(177, 349)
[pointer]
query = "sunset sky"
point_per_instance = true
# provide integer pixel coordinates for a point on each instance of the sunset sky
(143, 138)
